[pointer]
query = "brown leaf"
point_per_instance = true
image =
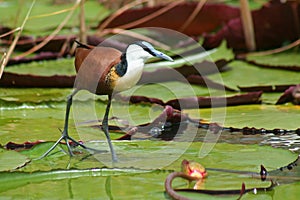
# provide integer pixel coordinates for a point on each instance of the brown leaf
(211, 17)
(28, 80)
(25, 145)
(206, 102)
(38, 57)
(54, 45)
(274, 24)
(292, 94)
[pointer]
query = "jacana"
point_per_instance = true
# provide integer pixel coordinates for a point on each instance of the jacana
(106, 71)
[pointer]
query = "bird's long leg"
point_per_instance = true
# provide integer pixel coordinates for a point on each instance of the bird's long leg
(65, 135)
(105, 129)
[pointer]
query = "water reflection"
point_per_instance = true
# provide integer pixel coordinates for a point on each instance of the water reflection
(290, 141)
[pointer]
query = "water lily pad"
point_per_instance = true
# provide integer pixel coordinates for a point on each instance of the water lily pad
(11, 97)
(258, 116)
(45, 68)
(171, 90)
(129, 182)
(287, 58)
(32, 122)
(243, 74)
(11, 160)
(222, 156)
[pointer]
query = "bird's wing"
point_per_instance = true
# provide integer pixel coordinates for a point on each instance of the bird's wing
(92, 66)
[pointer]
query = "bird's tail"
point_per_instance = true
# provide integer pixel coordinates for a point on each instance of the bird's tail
(81, 45)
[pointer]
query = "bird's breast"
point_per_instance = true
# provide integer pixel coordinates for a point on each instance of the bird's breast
(130, 78)
(111, 78)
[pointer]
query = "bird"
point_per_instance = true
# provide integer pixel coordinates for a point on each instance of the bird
(106, 71)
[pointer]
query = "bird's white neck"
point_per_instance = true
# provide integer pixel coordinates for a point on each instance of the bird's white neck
(135, 58)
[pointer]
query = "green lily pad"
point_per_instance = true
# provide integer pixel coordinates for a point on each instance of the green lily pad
(171, 90)
(32, 122)
(287, 58)
(133, 155)
(45, 68)
(288, 191)
(243, 74)
(222, 52)
(14, 97)
(258, 116)
(130, 182)
(11, 160)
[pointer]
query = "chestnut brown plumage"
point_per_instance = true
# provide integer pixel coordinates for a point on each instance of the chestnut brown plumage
(96, 68)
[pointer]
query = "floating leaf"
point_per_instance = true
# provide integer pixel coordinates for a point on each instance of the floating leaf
(46, 68)
(35, 97)
(12, 160)
(269, 66)
(288, 60)
(84, 179)
(246, 75)
(258, 116)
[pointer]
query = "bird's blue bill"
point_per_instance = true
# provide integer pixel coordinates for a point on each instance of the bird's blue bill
(162, 55)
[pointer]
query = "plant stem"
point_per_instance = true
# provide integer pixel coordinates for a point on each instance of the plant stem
(82, 33)
(247, 23)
